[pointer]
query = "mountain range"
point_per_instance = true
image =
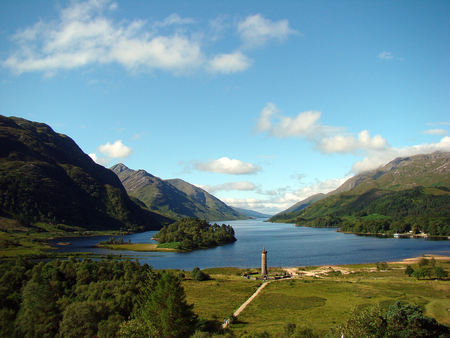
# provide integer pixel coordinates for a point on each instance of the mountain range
(251, 213)
(174, 198)
(409, 192)
(46, 177)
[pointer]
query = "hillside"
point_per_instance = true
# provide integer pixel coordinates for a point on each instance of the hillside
(46, 177)
(411, 193)
(174, 198)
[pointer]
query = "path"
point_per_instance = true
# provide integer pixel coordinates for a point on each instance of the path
(248, 301)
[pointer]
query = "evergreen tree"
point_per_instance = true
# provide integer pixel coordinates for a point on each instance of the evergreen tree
(164, 310)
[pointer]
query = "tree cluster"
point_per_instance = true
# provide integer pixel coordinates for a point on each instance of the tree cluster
(194, 233)
(398, 320)
(426, 269)
(114, 241)
(88, 298)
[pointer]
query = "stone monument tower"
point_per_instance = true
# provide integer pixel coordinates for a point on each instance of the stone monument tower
(264, 263)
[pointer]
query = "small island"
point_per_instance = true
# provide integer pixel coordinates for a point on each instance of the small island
(193, 233)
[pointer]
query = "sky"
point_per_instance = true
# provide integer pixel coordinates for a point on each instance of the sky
(261, 103)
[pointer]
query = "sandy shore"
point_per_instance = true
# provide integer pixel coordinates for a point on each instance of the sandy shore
(415, 260)
(346, 268)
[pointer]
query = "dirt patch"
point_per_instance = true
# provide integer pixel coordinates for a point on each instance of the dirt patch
(416, 260)
(319, 272)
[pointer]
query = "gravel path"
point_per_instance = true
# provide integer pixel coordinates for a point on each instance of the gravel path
(248, 301)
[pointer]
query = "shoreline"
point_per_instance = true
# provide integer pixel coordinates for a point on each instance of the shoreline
(405, 261)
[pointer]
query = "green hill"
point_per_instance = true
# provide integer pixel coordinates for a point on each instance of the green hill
(174, 198)
(407, 194)
(46, 177)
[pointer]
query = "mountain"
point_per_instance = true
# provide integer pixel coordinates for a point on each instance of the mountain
(408, 193)
(46, 177)
(251, 213)
(174, 198)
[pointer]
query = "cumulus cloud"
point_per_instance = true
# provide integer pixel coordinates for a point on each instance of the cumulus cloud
(115, 150)
(85, 34)
(328, 139)
(264, 121)
(99, 160)
(435, 132)
(377, 158)
(304, 124)
(346, 144)
(230, 186)
(225, 165)
(229, 63)
(255, 30)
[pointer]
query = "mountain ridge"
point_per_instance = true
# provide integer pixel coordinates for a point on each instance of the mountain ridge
(405, 192)
(46, 177)
(173, 197)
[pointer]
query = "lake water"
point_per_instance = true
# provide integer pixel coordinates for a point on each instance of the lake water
(287, 245)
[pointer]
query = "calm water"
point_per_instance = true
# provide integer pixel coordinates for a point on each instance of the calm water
(286, 244)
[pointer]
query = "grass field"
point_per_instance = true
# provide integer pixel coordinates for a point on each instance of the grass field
(317, 303)
(217, 299)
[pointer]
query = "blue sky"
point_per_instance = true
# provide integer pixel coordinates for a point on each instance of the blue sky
(262, 103)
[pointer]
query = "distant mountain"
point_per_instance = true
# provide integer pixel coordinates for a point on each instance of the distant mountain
(46, 177)
(408, 193)
(304, 203)
(174, 198)
(251, 213)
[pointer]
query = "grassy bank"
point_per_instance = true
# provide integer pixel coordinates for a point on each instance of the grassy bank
(17, 240)
(142, 247)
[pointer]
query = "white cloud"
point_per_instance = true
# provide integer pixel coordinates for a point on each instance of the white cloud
(285, 199)
(377, 158)
(338, 144)
(303, 124)
(346, 144)
(264, 121)
(83, 35)
(256, 30)
(229, 63)
(115, 150)
(174, 19)
(225, 165)
(385, 55)
(328, 139)
(99, 160)
(240, 186)
(435, 132)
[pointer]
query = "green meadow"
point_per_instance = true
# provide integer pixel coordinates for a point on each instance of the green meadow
(316, 303)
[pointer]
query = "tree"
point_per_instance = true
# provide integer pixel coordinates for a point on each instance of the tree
(79, 320)
(164, 310)
(440, 272)
(39, 314)
(409, 270)
(199, 275)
